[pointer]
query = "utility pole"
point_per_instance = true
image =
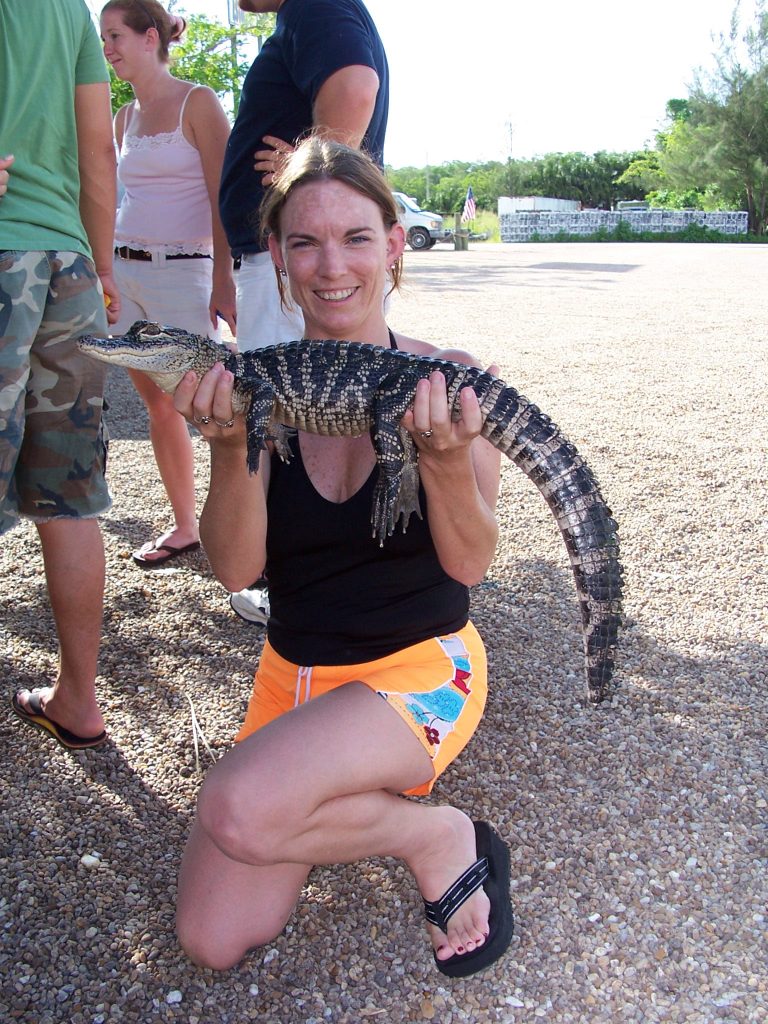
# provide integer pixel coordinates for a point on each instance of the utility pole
(510, 134)
(235, 16)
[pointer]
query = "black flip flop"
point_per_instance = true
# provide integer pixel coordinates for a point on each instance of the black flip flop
(170, 552)
(491, 871)
(34, 715)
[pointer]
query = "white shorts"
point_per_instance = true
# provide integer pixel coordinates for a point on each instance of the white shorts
(261, 320)
(175, 292)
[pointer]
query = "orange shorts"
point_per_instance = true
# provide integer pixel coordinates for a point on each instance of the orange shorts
(438, 687)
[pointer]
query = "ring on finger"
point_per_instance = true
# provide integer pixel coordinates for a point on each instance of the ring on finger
(227, 425)
(426, 433)
(205, 420)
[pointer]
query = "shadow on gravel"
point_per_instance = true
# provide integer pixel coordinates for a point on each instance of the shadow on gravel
(66, 913)
(126, 416)
(533, 635)
(592, 268)
(485, 279)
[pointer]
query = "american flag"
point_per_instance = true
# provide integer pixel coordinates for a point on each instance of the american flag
(469, 207)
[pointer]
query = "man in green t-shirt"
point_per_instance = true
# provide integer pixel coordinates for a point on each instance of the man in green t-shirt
(56, 236)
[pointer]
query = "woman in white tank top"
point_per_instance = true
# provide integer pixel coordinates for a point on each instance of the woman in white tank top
(172, 260)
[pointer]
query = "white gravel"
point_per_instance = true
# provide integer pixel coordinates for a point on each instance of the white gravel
(637, 832)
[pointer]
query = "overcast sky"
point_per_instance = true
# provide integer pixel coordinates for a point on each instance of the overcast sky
(483, 79)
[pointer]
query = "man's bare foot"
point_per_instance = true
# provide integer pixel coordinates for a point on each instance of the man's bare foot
(451, 850)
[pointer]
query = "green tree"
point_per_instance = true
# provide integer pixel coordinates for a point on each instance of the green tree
(210, 54)
(722, 147)
(645, 173)
(594, 180)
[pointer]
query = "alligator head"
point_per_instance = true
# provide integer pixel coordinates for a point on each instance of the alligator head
(164, 353)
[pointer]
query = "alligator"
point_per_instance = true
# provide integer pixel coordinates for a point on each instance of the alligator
(349, 388)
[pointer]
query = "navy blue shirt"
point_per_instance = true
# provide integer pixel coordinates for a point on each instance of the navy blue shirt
(313, 39)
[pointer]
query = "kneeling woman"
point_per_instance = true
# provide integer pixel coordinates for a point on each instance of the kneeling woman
(372, 679)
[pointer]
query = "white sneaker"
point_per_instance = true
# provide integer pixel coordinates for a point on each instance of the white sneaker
(251, 604)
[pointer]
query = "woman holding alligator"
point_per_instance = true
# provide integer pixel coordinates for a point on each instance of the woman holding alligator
(372, 679)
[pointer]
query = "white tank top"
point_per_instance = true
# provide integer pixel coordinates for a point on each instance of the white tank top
(165, 205)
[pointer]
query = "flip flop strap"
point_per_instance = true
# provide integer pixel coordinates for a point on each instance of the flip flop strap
(439, 912)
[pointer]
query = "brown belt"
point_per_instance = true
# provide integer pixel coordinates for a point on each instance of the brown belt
(141, 254)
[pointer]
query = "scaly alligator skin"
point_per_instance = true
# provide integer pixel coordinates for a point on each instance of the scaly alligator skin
(349, 388)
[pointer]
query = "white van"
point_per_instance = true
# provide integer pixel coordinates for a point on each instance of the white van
(422, 228)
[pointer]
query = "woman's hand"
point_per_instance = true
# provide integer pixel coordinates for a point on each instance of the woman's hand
(270, 161)
(223, 302)
(460, 474)
(207, 402)
(430, 424)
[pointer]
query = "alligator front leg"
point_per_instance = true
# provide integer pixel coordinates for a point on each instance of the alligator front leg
(257, 419)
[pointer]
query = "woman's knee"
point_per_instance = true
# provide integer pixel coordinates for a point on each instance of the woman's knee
(243, 821)
(218, 945)
(218, 952)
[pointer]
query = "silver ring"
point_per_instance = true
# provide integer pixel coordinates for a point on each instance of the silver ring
(426, 433)
(205, 420)
(225, 426)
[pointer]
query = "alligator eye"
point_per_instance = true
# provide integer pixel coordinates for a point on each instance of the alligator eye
(152, 329)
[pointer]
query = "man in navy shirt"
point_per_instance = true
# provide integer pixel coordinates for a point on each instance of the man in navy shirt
(324, 68)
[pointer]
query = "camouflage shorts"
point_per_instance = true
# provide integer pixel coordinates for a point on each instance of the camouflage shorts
(53, 444)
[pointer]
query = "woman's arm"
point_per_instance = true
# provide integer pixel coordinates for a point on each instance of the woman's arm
(233, 525)
(460, 472)
(118, 124)
(209, 131)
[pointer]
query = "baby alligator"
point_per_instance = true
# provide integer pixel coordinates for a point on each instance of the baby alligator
(348, 388)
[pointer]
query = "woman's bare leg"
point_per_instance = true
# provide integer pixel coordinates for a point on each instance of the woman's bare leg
(226, 908)
(175, 461)
(318, 786)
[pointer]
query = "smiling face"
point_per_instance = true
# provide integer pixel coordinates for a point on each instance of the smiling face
(336, 249)
(126, 50)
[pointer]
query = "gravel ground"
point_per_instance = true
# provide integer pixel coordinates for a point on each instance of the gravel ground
(637, 831)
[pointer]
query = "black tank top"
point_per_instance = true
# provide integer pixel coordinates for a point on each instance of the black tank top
(336, 596)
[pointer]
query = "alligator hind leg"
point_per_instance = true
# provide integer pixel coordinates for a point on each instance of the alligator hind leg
(407, 500)
(390, 455)
(394, 451)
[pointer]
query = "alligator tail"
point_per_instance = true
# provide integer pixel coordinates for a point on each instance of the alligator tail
(533, 442)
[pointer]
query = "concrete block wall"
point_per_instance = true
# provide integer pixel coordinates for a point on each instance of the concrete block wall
(518, 227)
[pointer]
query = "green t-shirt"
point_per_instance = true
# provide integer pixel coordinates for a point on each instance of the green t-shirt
(47, 47)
